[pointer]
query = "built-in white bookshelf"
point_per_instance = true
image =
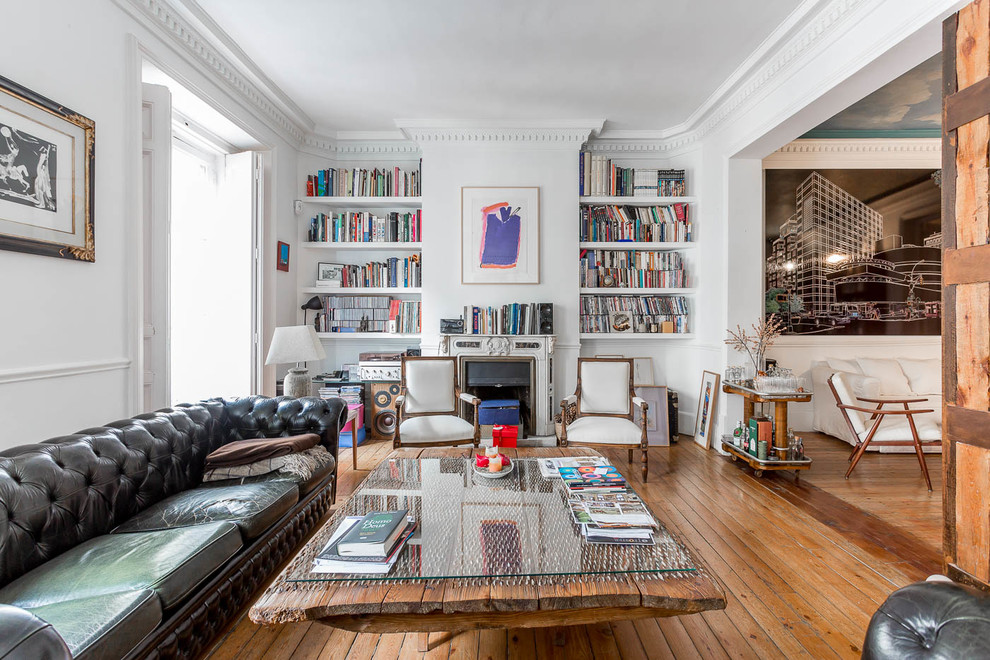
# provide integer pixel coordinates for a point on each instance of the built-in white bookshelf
(624, 291)
(391, 246)
(363, 290)
(653, 246)
(364, 203)
(635, 336)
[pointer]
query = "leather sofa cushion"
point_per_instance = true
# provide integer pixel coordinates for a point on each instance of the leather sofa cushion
(305, 485)
(172, 562)
(252, 507)
(24, 636)
(105, 626)
(930, 620)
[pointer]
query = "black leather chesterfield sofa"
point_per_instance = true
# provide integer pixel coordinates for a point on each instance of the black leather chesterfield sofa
(928, 620)
(112, 546)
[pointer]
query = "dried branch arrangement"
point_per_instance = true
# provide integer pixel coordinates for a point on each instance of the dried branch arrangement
(756, 345)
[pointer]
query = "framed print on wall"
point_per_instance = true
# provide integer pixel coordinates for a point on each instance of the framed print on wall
(500, 235)
(704, 422)
(46, 176)
(282, 257)
(328, 274)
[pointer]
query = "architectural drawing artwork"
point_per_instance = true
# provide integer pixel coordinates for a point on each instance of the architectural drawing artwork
(831, 270)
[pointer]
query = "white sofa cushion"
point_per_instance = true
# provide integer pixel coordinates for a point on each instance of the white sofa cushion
(849, 366)
(435, 428)
(846, 396)
(827, 417)
(604, 430)
(889, 372)
(605, 387)
(896, 427)
(924, 376)
(429, 386)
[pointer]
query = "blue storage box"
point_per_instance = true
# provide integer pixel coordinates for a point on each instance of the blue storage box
(345, 439)
(499, 411)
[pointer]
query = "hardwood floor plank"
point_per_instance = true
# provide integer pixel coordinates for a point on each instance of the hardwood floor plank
(628, 641)
(652, 639)
(603, 646)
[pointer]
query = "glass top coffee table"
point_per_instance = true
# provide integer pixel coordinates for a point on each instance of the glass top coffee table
(487, 553)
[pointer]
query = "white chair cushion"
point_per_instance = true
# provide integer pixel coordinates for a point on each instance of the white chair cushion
(846, 398)
(849, 366)
(925, 376)
(604, 430)
(896, 427)
(435, 428)
(892, 378)
(605, 387)
(429, 386)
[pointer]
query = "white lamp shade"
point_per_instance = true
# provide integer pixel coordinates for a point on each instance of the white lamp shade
(295, 343)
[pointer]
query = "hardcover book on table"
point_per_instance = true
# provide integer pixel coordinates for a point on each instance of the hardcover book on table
(374, 535)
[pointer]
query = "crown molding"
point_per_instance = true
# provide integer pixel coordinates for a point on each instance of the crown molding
(557, 133)
(271, 104)
(898, 153)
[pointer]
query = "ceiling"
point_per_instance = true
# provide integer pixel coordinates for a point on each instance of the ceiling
(908, 106)
(359, 65)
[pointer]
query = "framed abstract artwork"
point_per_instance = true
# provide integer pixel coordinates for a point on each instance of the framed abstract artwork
(657, 424)
(46, 176)
(707, 402)
(500, 235)
(282, 257)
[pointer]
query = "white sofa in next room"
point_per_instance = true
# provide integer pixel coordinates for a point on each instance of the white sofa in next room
(879, 378)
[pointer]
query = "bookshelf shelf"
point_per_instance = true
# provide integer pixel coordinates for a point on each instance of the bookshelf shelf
(637, 245)
(616, 291)
(407, 246)
(635, 201)
(368, 202)
(368, 335)
(636, 336)
(363, 291)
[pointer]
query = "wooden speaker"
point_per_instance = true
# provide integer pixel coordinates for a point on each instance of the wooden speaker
(381, 412)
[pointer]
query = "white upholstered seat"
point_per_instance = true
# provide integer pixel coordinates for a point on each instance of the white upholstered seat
(435, 428)
(603, 430)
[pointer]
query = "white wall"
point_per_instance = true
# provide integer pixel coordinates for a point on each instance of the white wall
(69, 331)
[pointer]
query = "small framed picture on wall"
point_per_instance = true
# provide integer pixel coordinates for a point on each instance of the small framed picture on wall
(282, 257)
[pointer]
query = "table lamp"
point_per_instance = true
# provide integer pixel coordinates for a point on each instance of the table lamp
(299, 344)
(313, 303)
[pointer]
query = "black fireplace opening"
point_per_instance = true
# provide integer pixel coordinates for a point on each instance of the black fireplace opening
(491, 378)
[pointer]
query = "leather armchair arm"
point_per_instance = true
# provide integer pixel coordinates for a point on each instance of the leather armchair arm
(23, 636)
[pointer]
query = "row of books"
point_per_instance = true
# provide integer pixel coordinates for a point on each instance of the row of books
(600, 501)
(636, 223)
(596, 312)
(600, 176)
(394, 272)
(365, 227)
(360, 182)
(368, 314)
(510, 319)
(632, 269)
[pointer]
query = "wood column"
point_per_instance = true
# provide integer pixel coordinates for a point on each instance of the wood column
(966, 294)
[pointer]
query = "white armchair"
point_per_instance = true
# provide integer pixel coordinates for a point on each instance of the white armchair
(605, 405)
(427, 406)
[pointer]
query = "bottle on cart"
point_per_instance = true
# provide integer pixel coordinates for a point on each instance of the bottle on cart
(737, 435)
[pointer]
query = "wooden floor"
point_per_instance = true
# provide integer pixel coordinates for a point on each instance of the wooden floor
(804, 565)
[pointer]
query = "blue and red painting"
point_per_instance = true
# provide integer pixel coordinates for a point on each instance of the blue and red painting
(500, 237)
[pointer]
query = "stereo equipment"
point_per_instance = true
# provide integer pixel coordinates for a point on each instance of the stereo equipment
(380, 370)
(544, 314)
(452, 326)
(380, 357)
(381, 413)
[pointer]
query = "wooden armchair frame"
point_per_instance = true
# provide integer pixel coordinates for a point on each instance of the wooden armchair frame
(634, 401)
(877, 415)
(459, 396)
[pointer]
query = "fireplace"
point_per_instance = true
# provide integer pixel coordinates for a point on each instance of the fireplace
(508, 367)
(499, 377)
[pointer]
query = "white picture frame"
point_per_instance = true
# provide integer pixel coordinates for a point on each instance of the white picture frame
(704, 422)
(643, 372)
(657, 423)
(329, 274)
(500, 235)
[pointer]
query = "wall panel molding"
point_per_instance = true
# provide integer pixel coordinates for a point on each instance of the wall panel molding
(62, 370)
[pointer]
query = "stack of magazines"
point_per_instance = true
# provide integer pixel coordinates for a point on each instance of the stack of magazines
(615, 518)
(366, 544)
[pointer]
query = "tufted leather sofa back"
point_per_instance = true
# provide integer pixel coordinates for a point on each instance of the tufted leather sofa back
(59, 493)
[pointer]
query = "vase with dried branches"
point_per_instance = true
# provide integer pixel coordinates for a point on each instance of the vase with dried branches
(755, 345)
